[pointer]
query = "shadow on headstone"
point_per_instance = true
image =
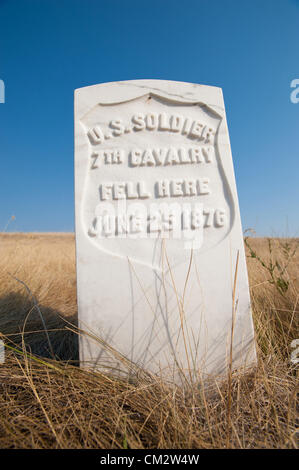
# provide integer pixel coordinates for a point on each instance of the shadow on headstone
(18, 314)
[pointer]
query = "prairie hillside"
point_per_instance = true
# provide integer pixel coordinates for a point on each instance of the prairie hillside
(46, 401)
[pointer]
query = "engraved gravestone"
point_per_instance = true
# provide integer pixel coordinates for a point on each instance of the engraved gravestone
(161, 271)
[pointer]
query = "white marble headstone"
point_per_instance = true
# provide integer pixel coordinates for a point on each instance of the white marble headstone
(158, 230)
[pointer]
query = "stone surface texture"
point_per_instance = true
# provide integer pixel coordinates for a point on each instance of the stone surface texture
(161, 270)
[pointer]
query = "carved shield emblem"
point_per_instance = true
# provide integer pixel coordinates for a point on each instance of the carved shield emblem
(154, 176)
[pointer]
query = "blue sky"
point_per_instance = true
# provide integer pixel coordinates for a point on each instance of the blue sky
(48, 48)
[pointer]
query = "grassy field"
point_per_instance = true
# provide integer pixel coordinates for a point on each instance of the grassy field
(51, 403)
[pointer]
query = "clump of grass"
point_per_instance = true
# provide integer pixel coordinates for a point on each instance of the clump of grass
(277, 264)
(47, 403)
(273, 276)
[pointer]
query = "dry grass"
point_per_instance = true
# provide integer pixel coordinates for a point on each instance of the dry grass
(46, 403)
